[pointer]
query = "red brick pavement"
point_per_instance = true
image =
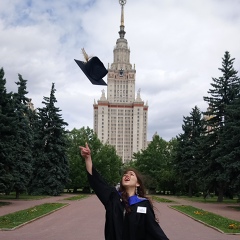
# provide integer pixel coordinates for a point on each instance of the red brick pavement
(84, 220)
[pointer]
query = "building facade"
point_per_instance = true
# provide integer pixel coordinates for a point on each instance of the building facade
(120, 118)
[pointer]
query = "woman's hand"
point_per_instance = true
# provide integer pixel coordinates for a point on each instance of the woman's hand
(86, 153)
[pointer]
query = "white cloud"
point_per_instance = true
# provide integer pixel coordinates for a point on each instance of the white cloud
(176, 46)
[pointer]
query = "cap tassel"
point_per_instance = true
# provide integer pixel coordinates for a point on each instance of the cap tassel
(85, 55)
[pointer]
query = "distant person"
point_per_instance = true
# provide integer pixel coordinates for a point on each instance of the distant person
(129, 214)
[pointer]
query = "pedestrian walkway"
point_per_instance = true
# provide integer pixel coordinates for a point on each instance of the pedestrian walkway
(84, 220)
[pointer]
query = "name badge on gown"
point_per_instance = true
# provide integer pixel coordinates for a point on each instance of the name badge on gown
(141, 210)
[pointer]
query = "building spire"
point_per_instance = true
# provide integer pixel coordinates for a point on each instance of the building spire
(122, 32)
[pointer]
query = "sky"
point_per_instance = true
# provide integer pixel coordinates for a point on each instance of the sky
(176, 46)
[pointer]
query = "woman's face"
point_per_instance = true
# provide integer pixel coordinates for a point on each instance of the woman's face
(129, 179)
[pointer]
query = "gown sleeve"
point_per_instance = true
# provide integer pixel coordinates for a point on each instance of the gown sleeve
(100, 186)
(153, 227)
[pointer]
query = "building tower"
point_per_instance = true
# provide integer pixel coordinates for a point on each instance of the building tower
(120, 119)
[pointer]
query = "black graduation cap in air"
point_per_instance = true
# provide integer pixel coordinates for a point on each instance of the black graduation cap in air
(93, 68)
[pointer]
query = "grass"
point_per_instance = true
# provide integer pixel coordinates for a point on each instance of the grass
(208, 200)
(224, 224)
(236, 208)
(158, 199)
(27, 197)
(12, 196)
(4, 203)
(16, 219)
(78, 197)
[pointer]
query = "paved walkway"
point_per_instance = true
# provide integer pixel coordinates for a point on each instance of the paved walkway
(84, 220)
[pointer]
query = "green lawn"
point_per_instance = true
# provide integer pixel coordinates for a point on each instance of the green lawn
(78, 197)
(235, 207)
(24, 196)
(16, 219)
(224, 224)
(209, 200)
(4, 203)
(159, 199)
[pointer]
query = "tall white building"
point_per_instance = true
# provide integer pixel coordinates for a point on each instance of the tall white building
(120, 118)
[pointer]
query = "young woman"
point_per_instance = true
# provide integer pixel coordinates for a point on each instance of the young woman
(129, 214)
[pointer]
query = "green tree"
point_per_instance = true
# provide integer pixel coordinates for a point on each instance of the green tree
(153, 162)
(22, 170)
(188, 160)
(108, 164)
(38, 152)
(7, 136)
(76, 138)
(228, 150)
(51, 168)
(224, 91)
(172, 177)
(104, 157)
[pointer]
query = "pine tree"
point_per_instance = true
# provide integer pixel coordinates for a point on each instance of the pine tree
(7, 137)
(228, 151)
(188, 161)
(50, 164)
(23, 139)
(224, 91)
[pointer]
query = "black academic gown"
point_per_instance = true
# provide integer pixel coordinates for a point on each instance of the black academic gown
(140, 224)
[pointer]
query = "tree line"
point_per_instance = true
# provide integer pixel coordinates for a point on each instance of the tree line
(39, 156)
(205, 157)
(33, 143)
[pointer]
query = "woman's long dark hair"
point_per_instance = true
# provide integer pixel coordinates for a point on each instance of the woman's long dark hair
(141, 192)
